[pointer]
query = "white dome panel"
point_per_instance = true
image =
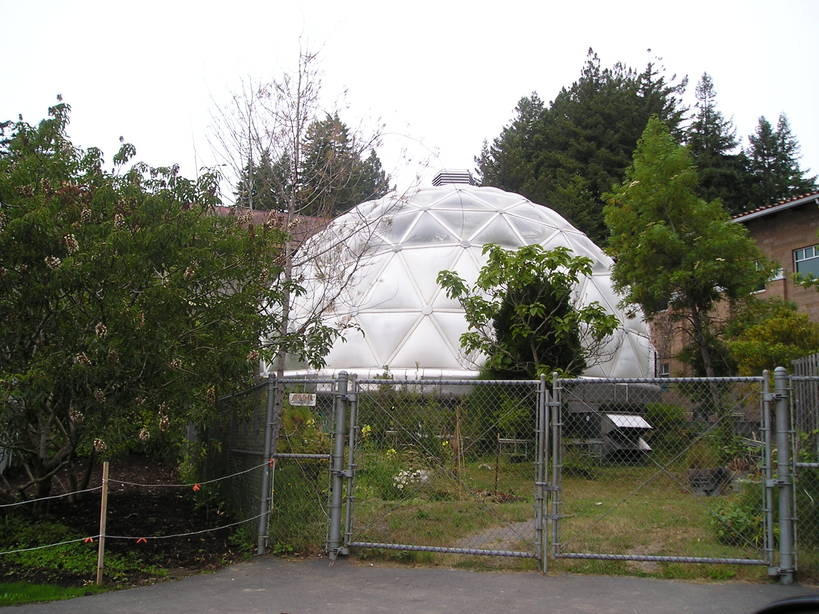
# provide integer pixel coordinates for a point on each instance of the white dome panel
(390, 290)
(464, 223)
(498, 231)
(458, 200)
(386, 332)
(420, 262)
(428, 231)
(425, 348)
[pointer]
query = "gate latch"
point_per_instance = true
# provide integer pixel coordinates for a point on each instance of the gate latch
(548, 487)
(776, 482)
(771, 397)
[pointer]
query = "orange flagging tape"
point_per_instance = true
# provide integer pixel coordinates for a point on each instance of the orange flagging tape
(197, 487)
(271, 462)
(88, 540)
(142, 540)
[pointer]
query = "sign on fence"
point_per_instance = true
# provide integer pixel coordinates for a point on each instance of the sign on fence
(302, 399)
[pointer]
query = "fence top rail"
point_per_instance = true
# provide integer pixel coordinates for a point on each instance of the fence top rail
(449, 382)
(658, 380)
(304, 380)
(805, 378)
(242, 392)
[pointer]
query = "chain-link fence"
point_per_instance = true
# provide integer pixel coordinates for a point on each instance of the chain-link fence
(293, 480)
(661, 471)
(236, 445)
(447, 467)
(805, 420)
(641, 472)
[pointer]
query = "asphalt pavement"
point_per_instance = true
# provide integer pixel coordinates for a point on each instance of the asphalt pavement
(273, 585)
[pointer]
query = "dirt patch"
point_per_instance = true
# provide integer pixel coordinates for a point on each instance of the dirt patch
(503, 537)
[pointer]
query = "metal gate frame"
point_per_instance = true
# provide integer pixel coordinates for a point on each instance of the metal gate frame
(348, 472)
(783, 482)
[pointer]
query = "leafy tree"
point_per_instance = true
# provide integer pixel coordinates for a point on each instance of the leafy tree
(127, 305)
(769, 335)
(568, 153)
(712, 141)
(672, 249)
(521, 315)
(773, 164)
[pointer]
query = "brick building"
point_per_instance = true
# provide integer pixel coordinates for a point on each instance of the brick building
(786, 233)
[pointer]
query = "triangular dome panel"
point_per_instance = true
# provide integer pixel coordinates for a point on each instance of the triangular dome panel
(390, 290)
(464, 224)
(385, 332)
(425, 349)
(353, 352)
(460, 200)
(394, 227)
(423, 265)
(498, 231)
(428, 231)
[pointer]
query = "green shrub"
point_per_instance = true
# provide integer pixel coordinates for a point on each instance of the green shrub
(738, 520)
(670, 433)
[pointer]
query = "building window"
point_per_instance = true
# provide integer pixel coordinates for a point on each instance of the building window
(806, 260)
(664, 370)
(777, 274)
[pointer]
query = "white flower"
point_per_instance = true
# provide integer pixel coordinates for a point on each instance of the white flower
(52, 262)
(71, 243)
(85, 216)
(100, 445)
(119, 220)
(101, 329)
(99, 395)
(144, 434)
(76, 416)
(164, 422)
(82, 359)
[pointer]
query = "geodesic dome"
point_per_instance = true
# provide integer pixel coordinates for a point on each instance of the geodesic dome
(374, 271)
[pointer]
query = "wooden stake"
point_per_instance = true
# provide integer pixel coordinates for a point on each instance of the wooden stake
(103, 515)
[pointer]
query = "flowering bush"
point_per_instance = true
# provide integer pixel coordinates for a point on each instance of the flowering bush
(404, 480)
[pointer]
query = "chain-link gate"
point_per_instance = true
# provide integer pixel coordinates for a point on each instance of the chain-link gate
(672, 470)
(805, 421)
(452, 467)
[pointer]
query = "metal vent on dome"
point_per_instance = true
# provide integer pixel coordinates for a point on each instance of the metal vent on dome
(453, 176)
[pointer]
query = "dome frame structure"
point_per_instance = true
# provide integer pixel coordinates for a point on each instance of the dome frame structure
(392, 314)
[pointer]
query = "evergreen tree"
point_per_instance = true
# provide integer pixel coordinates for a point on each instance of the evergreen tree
(773, 164)
(712, 141)
(335, 176)
(568, 154)
(257, 188)
(672, 249)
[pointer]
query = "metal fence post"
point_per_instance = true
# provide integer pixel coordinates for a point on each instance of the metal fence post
(334, 534)
(351, 444)
(767, 459)
(557, 461)
(265, 499)
(541, 428)
(784, 479)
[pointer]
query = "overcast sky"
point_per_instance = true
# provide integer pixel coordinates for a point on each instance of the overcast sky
(443, 76)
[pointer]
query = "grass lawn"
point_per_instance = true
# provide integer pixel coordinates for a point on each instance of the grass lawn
(17, 593)
(614, 509)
